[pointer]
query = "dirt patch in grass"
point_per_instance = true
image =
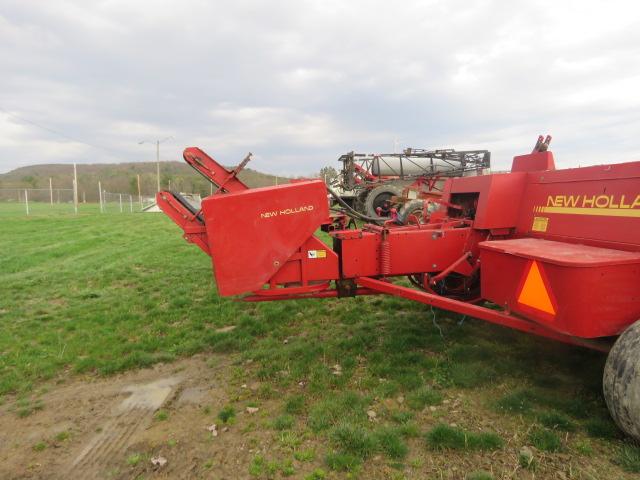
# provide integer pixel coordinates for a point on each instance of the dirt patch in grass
(117, 427)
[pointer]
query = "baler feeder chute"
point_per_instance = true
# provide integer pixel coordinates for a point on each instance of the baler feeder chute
(260, 240)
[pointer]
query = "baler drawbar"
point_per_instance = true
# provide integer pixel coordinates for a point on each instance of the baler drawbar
(550, 252)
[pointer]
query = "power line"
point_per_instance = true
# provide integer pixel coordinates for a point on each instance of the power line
(60, 134)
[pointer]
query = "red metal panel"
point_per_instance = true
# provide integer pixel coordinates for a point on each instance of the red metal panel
(360, 256)
(533, 162)
(412, 250)
(498, 201)
(313, 262)
(561, 253)
(595, 290)
(252, 233)
(598, 205)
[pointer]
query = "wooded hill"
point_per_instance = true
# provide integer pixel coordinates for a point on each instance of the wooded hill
(122, 178)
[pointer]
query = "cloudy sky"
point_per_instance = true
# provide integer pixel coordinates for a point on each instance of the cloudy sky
(299, 82)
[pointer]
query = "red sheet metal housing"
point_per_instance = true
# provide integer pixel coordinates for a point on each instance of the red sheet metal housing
(581, 225)
(254, 233)
(594, 290)
(597, 205)
(410, 251)
(592, 214)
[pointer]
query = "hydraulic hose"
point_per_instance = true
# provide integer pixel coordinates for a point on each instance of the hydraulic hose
(354, 213)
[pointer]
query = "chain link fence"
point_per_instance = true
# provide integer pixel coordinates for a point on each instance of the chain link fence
(37, 201)
(118, 203)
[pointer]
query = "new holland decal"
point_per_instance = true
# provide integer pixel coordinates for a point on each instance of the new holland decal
(287, 211)
(601, 205)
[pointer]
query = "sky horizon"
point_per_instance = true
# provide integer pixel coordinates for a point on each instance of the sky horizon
(300, 82)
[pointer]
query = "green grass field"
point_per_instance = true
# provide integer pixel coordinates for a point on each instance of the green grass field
(97, 294)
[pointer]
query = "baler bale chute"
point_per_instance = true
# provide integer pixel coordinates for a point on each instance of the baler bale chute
(551, 252)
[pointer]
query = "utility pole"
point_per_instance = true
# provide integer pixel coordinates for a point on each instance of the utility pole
(158, 162)
(157, 142)
(100, 197)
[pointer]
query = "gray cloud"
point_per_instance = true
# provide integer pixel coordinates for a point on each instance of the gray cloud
(299, 82)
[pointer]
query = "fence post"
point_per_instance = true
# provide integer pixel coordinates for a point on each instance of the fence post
(120, 203)
(100, 197)
(131, 203)
(26, 200)
(139, 192)
(75, 189)
(51, 191)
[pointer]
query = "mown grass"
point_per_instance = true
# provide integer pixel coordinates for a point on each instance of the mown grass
(629, 458)
(98, 294)
(442, 437)
(545, 440)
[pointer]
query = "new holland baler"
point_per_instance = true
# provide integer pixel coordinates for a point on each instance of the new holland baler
(551, 252)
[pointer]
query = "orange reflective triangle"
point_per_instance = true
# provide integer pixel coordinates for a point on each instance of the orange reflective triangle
(534, 291)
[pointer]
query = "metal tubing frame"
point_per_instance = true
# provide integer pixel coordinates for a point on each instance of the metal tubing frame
(322, 294)
(225, 180)
(194, 230)
(483, 313)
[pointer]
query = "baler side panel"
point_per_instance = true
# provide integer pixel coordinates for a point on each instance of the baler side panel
(595, 205)
(411, 251)
(253, 233)
(593, 291)
(314, 261)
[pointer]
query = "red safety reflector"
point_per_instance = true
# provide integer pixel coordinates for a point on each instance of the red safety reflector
(534, 291)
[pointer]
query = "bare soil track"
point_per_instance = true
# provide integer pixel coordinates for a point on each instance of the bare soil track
(110, 428)
(105, 419)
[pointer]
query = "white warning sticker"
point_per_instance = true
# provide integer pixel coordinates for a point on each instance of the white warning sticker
(316, 254)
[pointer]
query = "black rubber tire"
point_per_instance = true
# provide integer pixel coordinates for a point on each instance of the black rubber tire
(412, 207)
(621, 381)
(377, 197)
(360, 202)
